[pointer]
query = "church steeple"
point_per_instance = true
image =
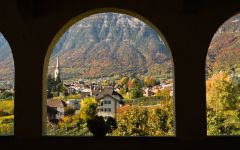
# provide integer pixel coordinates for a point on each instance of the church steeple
(56, 72)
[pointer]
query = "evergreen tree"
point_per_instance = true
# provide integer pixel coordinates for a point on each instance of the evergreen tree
(51, 85)
(58, 79)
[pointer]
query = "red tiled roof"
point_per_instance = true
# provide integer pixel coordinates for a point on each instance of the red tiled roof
(55, 103)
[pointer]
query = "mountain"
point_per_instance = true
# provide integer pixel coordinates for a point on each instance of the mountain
(6, 64)
(109, 44)
(224, 50)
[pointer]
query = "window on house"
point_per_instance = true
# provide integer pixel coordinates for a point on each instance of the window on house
(6, 88)
(125, 57)
(223, 80)
(107, 102)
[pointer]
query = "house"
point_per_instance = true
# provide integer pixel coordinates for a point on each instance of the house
(106, 90)
(72, 90)
(155, 89)
(95, 87)
(147, 92)
(86, 89)
(108, 106)
(78, 86)
(55, 109)
(109, 101)
(73, 103)
(102, 91)
(84, 95)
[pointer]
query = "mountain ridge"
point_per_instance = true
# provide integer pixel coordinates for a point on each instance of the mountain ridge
(108, 44)
(6, 64)
(224, 49)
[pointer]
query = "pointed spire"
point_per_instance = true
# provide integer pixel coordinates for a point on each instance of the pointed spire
(57, 63)
(56, 72)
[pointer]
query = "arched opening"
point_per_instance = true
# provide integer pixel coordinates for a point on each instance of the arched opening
(223, 80)
(108, 72)
(6, 88)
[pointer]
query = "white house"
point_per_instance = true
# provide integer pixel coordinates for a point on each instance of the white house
(55, 109)
(73, 103)
(108, 105)
(147, 91)
(86, 90)
(72, 90)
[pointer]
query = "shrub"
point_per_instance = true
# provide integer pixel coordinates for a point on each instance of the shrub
(99, 127)
(145, 121)
(69, 111)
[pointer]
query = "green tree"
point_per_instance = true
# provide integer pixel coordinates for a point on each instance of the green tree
(221, 92)
(145, 121)
(134, 83)
(160, 120)
(149, 81)
(123, 81)
(223, 122)
(96, 126)
(58, 79)
(88, 108)
(69, 111)
(50, 83)
(55, 85)
(132, 122)
(111, 125)
(1, 112)
(134, 88)
(123, 90)
(61, 88)
(135, 93)
(7, 95)
(99, 127)
(164, 93)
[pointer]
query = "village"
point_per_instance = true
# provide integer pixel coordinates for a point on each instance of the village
(110, 96)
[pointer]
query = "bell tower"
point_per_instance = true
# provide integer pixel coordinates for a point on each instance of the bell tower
(56, 72)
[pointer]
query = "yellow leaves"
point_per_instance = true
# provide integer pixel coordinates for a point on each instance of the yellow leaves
(6, 125)
(221, 92)
(88, 108)
(123, 81)
(7, 107)
(145, 121)
(65, 120)
(222, 97)
(149, 81)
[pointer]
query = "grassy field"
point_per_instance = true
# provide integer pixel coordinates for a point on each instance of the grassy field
(7, 125)
(145, 101)
(6, 117)
(6, 107)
